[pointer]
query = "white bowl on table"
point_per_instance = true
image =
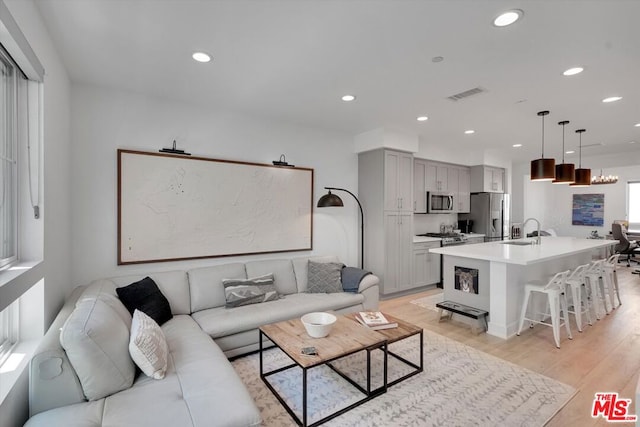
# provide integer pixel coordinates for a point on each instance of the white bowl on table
(319, 324)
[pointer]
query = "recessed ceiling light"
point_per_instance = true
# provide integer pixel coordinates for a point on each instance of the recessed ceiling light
(573, 71)
(348, 98)
(569, 152)
(508, 18)
(637, 125)
(632, 142)
(201, 57)
(422, 118)
(517, 145)
(470, 131)
(612, 99)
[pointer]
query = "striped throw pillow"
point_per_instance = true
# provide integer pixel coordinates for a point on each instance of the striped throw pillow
(240, 292)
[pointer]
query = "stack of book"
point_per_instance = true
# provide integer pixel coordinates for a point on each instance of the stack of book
(374, 320)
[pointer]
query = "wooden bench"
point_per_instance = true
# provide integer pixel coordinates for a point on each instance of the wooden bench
(464, 310)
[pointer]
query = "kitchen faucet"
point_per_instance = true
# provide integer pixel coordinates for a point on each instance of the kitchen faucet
(537, 241)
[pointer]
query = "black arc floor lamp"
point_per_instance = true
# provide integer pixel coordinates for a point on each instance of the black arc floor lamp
(331, 200)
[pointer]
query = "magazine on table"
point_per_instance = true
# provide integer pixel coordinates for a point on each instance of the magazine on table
(374, 320)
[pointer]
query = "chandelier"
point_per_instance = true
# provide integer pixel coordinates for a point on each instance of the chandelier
(601, 179)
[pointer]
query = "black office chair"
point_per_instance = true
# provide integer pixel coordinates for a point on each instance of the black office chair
(624, 246)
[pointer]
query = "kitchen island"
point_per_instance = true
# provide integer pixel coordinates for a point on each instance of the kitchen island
(491, 276)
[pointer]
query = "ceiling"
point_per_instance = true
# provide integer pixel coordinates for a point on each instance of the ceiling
(292, 61)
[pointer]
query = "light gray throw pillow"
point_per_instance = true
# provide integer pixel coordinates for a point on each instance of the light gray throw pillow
(324, 277)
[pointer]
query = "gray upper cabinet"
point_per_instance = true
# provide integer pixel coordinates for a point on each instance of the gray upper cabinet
(398, 176)
(487, 179)
(419, 186)
(464, 190)
(434, 176)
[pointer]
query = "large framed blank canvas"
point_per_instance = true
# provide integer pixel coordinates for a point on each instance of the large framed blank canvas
(175, 207)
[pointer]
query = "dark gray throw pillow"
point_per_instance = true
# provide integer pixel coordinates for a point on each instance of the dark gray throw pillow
(238, 292)
(324, 277)
(145, 296)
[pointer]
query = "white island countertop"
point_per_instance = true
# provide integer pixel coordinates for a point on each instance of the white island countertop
(551, 247)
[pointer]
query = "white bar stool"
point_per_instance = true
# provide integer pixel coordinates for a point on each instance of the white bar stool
(557, 302)
(579, 295)
(611, 279)
(595, 282)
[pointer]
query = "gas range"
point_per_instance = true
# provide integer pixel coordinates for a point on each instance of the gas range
(448, 239)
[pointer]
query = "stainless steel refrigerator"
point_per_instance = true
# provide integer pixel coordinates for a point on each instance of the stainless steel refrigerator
(490, 215)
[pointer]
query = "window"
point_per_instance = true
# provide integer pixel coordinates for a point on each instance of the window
(8, 330)
(633, 206)
(8, 159)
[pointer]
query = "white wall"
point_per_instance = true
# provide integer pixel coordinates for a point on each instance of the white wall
(104, 120)
(552, 204)
(51, 237)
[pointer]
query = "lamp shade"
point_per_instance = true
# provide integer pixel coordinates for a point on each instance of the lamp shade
(329, 200)
(543, 169)
(583, 175)
(565, 173)
(583, 178)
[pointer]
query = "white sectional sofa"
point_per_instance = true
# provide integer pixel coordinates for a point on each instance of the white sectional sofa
(200, 387)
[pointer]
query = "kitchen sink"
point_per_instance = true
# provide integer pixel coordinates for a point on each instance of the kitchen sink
(518, 243)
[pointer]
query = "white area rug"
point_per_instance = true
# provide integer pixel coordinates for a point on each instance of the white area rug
(460, 386)
(429, 302)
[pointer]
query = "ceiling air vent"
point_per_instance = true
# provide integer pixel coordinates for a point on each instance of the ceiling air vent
(466, 94)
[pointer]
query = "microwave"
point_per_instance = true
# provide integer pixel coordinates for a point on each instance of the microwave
(439, 202)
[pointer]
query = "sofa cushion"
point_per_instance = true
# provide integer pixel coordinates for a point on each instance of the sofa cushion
(145, 296)
(105, 290)
(174, 285)
(147, 346)
(282, 269)
(219, 322)
(200, 387)
(96, 341)
(301, 267)
(324, 277)
(206, 284)
(249, 291)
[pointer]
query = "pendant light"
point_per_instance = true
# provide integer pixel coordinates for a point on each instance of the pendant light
(583, 176)
(543, 169)
(565, 172)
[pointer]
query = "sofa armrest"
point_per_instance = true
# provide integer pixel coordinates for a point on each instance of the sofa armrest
(52, 380)
(368, 281)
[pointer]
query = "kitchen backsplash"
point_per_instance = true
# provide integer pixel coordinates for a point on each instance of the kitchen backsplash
(431, 223)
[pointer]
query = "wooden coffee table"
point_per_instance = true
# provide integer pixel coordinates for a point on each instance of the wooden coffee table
(347, 337)
(403, 331)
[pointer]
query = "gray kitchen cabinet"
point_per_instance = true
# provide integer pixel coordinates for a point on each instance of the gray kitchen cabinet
(398, 177)
(419, 186)
(487, 179)
(464, 190)
(437, 177)
(426, 266)
(398, 230)
(385, 189)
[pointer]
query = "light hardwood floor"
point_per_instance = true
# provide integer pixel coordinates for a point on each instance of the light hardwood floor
(604, 357)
